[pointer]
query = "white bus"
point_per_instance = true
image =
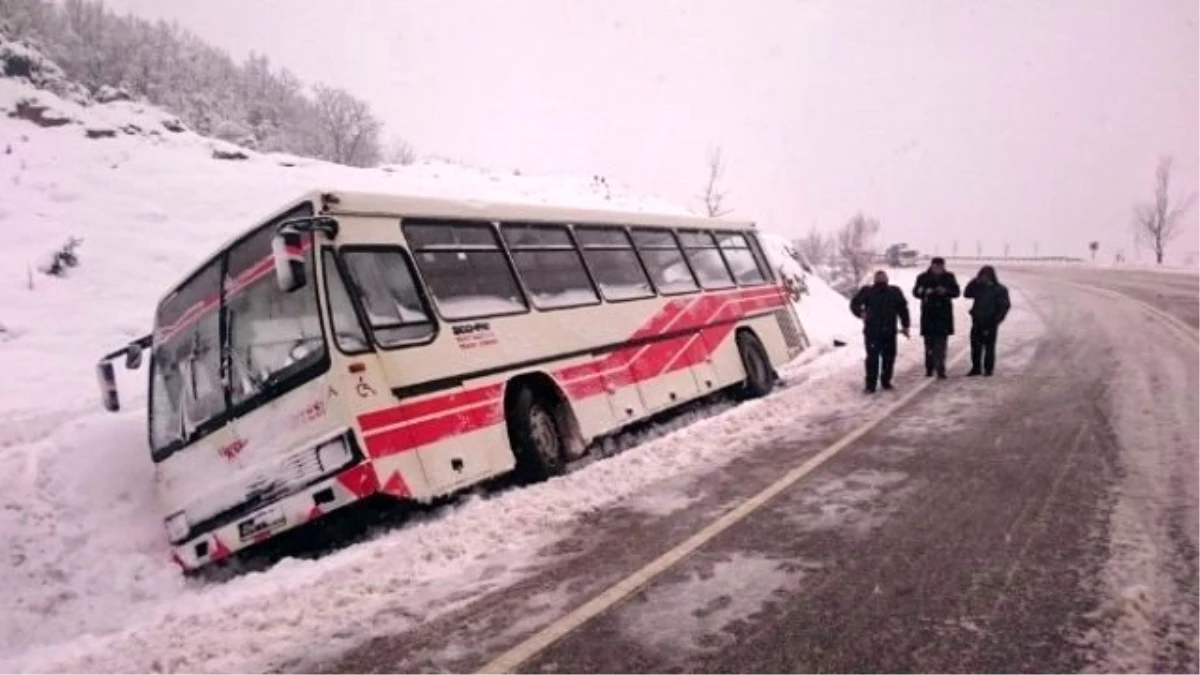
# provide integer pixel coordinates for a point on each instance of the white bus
(357, 345)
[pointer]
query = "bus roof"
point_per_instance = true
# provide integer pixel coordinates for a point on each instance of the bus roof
(378, 204)
(385, 205)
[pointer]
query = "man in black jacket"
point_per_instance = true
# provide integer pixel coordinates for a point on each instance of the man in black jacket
(879, 306)
(936, 289)
(990, 308)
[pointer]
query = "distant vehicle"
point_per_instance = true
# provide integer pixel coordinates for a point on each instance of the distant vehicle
(355, 345)
(900, 255)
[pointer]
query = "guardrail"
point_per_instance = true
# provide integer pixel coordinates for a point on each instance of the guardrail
(925, 258)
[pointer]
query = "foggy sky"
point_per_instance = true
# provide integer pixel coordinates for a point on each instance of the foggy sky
(1013, 122)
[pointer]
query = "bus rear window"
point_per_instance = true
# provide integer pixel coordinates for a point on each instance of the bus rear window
(464, 269)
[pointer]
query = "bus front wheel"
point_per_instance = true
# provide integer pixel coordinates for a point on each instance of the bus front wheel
(537, 441)
(760, 376)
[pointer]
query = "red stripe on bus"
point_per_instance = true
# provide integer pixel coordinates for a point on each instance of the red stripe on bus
(587, 388)
(248, 276)
(624, 367)
(360, 480)
(428, 406)
(413, 436)
(675, 354)
(654, 326)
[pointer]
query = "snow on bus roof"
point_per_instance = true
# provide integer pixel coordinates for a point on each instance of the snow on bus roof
(371, 203)
(350, 202)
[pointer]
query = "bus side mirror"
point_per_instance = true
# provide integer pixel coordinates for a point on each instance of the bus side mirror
(288, 254)
(108, 386)
(133, 356)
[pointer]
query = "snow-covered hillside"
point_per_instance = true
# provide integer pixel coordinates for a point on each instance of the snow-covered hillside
(86, 578)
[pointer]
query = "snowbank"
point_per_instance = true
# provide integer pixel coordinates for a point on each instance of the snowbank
(824, 312)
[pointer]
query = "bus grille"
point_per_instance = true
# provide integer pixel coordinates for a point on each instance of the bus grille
(792, 334)
(262, 486)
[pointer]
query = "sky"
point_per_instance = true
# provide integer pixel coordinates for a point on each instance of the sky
(990, 124)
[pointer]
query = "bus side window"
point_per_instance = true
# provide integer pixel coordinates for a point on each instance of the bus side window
(347, 331)
(706, 260)
(550, 265)
(387, 289)
(614, 264)
(745, 265)
(664, 260)
(464, 268)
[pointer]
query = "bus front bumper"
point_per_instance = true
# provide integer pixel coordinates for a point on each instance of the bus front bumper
(287, 513)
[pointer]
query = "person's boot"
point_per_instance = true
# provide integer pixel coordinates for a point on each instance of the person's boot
(975, 372)
(941, 373)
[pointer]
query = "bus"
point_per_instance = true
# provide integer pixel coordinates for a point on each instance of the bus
(353, 346)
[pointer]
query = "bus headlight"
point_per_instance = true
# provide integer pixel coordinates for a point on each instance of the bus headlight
(177, 527)
(334, 455)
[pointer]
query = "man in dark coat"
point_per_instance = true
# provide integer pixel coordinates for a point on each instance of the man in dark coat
(880, 306)
(990, 308)
(936, 289)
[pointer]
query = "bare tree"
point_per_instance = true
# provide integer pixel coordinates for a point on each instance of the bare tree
(1094, 247)
(1157, 224)
(401, 152)
(714, 196)
(816, 247)
(346, 131)
(856, 245)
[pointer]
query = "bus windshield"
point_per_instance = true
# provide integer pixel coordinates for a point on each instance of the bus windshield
(229, 339)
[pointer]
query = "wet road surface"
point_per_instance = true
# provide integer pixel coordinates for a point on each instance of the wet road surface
(1044, 519)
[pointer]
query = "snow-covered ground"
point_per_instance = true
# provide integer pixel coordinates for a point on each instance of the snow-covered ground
(86, 579)
(825, 311)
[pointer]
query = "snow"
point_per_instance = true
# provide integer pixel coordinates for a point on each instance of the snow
(824, 312)
(694, 614)
(1152, 525)
(87, 576)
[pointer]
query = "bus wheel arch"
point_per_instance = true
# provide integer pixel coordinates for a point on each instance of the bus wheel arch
(534, 410)
(760, 374)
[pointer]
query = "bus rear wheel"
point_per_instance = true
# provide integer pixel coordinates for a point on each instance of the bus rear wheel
(760, 376)
(536, 438)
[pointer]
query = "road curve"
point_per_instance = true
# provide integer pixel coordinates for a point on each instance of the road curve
(1041, 520)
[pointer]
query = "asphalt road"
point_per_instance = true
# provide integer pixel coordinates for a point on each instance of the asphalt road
(1041, 520)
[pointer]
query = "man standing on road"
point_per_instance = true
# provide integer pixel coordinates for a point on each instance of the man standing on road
(880, 306)
(936, 288)
(990, 308)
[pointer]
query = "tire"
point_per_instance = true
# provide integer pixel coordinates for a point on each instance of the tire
(536, 438)
(760, 376)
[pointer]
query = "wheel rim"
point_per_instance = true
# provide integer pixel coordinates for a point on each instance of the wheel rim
(544, 434)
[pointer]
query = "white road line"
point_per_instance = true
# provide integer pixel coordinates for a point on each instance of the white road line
(510, 660)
